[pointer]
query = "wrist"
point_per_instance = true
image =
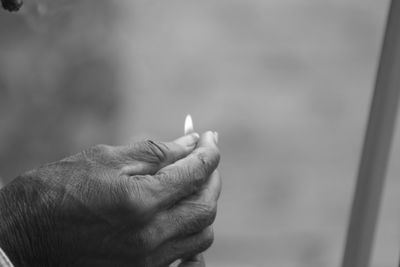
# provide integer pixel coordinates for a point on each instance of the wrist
(24, 224)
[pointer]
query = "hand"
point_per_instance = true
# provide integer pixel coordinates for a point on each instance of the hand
(196, 261)
(148, 204)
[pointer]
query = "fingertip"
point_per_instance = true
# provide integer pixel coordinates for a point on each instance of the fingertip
(207, 139)
(195, 261)
(216, 184)
(216, 137)
(189, 140)
(196, 135)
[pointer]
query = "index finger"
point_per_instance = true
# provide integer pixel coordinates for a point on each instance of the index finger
(186, 176)
(148, 157)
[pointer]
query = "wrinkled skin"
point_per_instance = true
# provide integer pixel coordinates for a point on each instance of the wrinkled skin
(148, 204)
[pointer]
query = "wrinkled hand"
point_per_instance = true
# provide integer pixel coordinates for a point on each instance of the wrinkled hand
(148, 204)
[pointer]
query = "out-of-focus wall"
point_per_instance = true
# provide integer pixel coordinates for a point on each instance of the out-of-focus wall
(58, 78)
(287, 85)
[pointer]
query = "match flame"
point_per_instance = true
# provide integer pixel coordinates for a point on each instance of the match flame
(188, 124)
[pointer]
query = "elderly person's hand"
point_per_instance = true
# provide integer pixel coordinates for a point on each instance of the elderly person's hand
(148, 204)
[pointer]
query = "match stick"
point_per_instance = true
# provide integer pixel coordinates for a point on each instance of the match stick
(376, 150)
(188, 129)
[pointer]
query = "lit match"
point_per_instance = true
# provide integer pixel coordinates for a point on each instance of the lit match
(188, 130)
(188, 125)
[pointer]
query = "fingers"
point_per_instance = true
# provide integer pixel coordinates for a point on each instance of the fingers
(195, 261)
(187, 217)
(143, 195)
(193, 213)
(186, 176)
(190, 188)
(183, 248)
(148, 157)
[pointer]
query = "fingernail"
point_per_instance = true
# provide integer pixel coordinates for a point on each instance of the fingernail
(189, 140)
(216, 137)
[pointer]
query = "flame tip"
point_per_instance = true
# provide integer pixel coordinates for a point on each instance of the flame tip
(188, 124)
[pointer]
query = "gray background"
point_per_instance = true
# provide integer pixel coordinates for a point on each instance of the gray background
(286, 83)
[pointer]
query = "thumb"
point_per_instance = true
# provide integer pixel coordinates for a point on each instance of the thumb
(148, 157)
(195, 261)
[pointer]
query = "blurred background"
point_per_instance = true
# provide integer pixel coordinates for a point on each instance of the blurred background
(287, 84)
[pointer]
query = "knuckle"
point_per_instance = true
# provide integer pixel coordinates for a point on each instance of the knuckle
(206, 238)
(163, 178)
(152, 151)
(209, 158)
(203, 215)
(209, 212)
(214, 154)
